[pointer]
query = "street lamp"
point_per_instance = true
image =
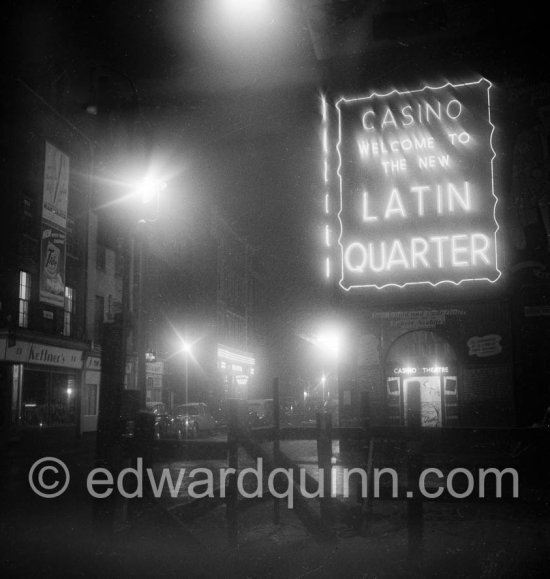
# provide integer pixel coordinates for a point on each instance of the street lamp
(186, 348)
(148, 194)
(329, 343)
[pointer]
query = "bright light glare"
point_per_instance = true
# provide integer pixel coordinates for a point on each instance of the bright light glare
(246, 12)
(329, 342)
(149, 190)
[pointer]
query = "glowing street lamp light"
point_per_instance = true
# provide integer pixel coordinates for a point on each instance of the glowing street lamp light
(148, 192)
(329, 343)
(186, 349)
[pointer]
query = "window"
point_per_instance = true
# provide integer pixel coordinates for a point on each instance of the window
(69, 310)
(101, 257)
(155, 396)
(99, 318)
(24, 298)
(89, 400)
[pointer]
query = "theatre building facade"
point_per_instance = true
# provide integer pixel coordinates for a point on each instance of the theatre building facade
(458, 356)
(438, 251)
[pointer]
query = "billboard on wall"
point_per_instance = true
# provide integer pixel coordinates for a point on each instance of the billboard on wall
(415, 184)
(54, 226)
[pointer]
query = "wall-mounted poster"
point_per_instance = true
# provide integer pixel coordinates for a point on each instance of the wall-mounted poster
(56, 186)
(54, 226)
(52, 275)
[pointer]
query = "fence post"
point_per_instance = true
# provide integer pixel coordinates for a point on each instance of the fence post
(366, 501)
(232, 501)
(324, 459)
(276, 443)
(415, 515)
(109, 445)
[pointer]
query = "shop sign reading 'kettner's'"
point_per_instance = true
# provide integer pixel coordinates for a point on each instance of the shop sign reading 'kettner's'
(415, 177)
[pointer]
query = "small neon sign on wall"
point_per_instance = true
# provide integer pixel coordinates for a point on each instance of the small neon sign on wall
(416, 193)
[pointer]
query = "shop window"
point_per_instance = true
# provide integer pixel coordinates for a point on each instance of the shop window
(68, 311)
(89, 400)
(48, 399)
(24, 298)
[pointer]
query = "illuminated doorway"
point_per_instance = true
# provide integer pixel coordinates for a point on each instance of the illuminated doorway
(424, 363)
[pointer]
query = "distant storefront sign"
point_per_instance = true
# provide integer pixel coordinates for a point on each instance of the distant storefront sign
(33, 353)
(415, 185)
(485, 346)
(235, 360)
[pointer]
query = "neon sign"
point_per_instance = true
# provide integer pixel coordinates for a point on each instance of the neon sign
(416, 192)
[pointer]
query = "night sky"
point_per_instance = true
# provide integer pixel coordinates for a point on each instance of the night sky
(232, 104)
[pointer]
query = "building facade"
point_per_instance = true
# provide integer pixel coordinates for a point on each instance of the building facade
(44, 347)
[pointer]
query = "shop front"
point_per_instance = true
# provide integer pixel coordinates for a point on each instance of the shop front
(422, 361)
(236, 372)
(455, 362)
(45, 386)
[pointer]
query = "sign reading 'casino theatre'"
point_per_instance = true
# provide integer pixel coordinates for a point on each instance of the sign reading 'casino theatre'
(415, 176)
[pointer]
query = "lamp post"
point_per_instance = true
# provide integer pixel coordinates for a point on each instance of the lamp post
(148, 193)
(329, 344)
(187, 350)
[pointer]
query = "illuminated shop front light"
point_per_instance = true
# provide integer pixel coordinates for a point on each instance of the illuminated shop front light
(241, 379)
(420, 370)
(416, 190)
(232, 356)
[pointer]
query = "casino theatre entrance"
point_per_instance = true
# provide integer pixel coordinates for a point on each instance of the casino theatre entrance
(422, 362)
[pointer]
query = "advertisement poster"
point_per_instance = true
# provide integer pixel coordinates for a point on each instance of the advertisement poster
(52, 273)
(54, 224)
(56, 186)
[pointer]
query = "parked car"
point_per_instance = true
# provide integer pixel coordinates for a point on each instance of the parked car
(192, 420)
(260, 412)
(163, 420)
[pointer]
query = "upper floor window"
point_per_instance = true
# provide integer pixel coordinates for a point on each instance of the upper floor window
(24, 298)
(101, 257)
(99, 318)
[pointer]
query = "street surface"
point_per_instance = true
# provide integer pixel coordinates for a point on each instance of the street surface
(179, 537)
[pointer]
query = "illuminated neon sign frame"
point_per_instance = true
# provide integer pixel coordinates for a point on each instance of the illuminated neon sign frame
(391, 129)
